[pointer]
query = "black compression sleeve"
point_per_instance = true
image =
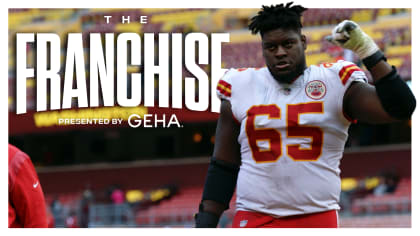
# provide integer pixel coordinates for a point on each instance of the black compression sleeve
(219, 187)
(395, 96)
(220, 181)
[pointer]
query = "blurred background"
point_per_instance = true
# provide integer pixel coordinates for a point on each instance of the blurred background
(117, 176)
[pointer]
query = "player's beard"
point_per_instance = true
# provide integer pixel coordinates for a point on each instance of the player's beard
(292, 75)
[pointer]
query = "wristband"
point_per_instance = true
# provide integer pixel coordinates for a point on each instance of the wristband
(374, 59)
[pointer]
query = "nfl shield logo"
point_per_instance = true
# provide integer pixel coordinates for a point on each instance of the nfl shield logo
(243, 223)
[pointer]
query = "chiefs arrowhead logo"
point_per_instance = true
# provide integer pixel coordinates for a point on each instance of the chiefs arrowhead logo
(316, 89)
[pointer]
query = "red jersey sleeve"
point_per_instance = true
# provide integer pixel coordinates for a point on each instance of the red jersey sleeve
(27, 206)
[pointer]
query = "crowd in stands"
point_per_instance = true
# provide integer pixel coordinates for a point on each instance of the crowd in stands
(244, 50)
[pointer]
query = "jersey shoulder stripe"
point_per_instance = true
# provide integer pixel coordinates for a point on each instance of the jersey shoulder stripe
(346, 72)
(233, 78)
(224, 88)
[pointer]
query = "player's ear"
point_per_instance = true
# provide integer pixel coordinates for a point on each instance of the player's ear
(303, 38)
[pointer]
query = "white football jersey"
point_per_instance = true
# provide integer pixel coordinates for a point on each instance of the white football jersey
(292, 137)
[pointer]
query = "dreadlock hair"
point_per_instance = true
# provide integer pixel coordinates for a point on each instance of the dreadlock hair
(278, 16)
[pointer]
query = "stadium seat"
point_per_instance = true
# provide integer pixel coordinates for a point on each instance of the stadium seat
(176, 210)
(398, 201)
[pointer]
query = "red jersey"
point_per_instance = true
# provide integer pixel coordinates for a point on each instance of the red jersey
(27, 207)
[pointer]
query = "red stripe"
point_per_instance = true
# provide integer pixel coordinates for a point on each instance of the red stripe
(326, 219)
(345, 68)
(224, 92)
(349, 73)
(223, 89)
(226, 84)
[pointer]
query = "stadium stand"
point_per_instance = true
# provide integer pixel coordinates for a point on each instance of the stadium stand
(244, 50)
(398, 201)
(177, 209)
(387, 221)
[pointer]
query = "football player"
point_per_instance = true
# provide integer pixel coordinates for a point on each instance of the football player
(282, 129)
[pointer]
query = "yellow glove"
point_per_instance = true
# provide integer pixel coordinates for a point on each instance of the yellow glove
(349, 35)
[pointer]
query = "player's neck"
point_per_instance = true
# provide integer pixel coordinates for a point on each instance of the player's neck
(293, 80)
(295, 77)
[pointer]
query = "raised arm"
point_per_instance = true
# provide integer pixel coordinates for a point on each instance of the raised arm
(390, 99)
(222, 172)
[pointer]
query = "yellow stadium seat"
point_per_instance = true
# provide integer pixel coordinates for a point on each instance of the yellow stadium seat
(362, 16)
(371, 183)
(316, 35)
(187, 18)
(315, 59)
(313, 47)
(133, 196)
(384, 11)
(132, 27)
(30, 83)
(348, 184)
(398, 50)
(159, 10)
(397, 61)
(132, 69)
(244, 37)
